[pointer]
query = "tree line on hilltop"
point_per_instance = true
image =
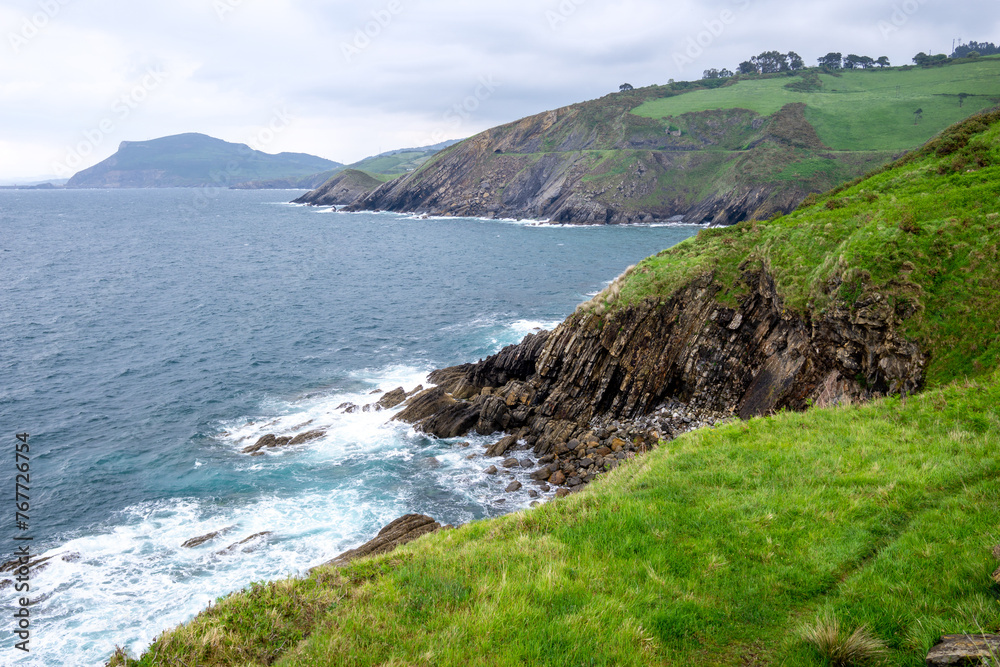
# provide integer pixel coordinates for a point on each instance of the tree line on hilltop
(775, 62)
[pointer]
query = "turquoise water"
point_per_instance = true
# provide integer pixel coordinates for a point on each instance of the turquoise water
(147, 336)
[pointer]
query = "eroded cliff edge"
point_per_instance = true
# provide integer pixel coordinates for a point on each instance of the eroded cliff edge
(749, 360)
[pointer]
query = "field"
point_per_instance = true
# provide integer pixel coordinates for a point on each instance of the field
(720, 548)
(859, 109)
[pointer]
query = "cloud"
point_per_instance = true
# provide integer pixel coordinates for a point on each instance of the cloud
(362, 75)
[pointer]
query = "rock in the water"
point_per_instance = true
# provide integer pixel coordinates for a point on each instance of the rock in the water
(303, 438)
(424, 405)
(392, 399)
(236, 545)
(268, 440)
(198, 541)
(502, 447)
(966, 650)
(492, 470)
(514, 486)
(558, 478)
(511, 463)
(399, 532)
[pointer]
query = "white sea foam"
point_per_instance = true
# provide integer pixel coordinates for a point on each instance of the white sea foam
(130, 580)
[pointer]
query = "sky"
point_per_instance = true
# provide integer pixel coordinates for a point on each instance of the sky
(345, 80)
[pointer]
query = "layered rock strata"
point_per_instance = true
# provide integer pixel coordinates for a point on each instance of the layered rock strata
(562, 393)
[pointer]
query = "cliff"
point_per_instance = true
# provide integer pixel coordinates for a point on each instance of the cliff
(619, 168)
(342, 189)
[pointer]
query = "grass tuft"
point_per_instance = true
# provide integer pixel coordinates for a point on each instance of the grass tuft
(840, 649)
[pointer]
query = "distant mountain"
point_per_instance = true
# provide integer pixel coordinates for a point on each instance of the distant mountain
(193, 160)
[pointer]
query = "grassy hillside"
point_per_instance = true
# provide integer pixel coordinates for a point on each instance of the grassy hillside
(922, 234)
(727, 546)
(718, 549)
(858, 109)
(718, 151)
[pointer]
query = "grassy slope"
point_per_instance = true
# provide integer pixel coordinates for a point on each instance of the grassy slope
(859, 109)
(720, 546)
(714, 549)
(923, 234)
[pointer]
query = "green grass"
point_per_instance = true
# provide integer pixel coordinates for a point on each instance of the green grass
(716, 549)
(859, 109)
(923, 235)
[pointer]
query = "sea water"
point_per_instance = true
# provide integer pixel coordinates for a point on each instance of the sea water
(148, 336)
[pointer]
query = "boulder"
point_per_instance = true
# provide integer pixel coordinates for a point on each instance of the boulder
(492, 470)
(399, 532)
(514, 486)
(965, 650)
(511, 463)
(557, 478)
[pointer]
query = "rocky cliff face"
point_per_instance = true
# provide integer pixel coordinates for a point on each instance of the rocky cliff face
(749, 360)
(344, 188)
(596, 163)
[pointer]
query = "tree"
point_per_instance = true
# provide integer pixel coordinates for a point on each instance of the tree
(747, 67)
(979, 48)
(852, 61)
(770, 62)
(726, 73)
(795, 61)
(867, 62)
(883, 61)
(710, 74)
(625, 87)
(922, 59)
(831, 60)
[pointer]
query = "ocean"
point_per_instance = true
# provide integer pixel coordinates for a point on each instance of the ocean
(148, 336)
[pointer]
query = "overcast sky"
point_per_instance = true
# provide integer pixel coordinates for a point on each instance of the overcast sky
(345, 80)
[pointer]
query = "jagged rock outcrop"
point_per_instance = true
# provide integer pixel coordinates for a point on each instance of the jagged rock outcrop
(344, 188)
(598, 163)
(749, 360)
(401, 531)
